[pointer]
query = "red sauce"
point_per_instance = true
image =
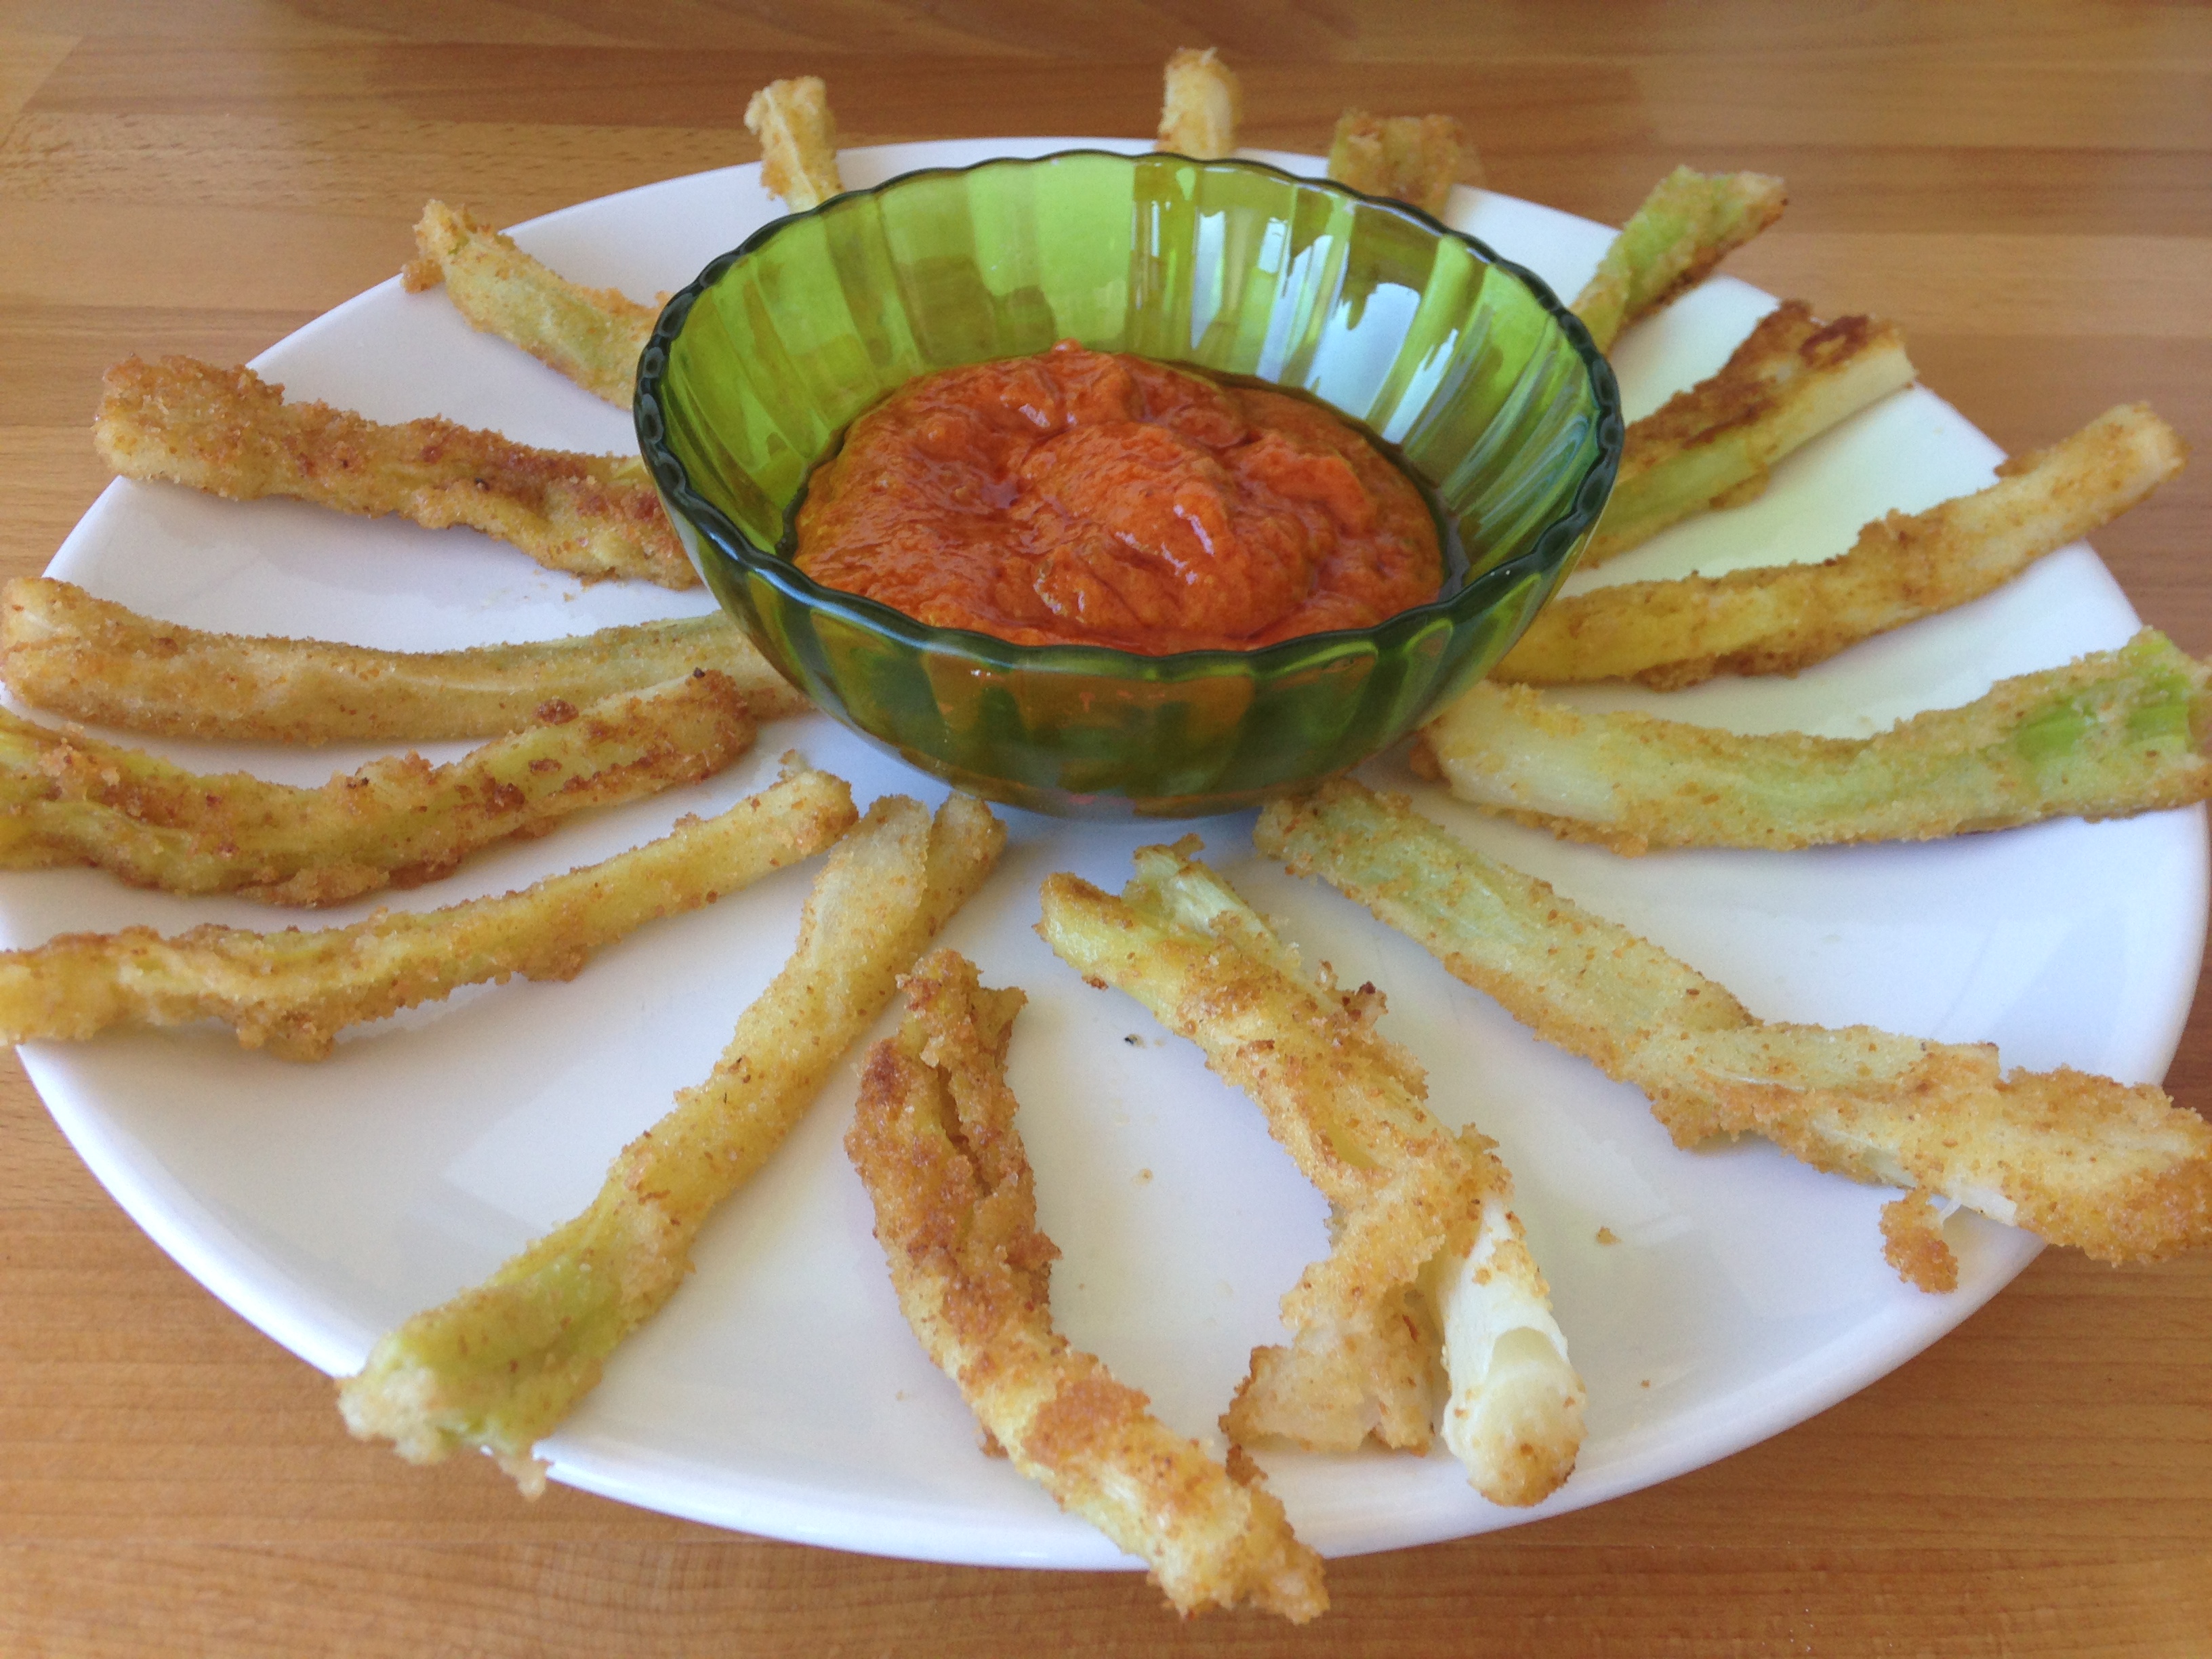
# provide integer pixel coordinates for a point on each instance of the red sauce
(1087, 498)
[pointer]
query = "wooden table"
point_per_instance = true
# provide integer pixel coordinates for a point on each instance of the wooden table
(2028, 192)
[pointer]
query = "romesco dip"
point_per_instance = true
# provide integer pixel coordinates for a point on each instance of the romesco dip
(1079, 497)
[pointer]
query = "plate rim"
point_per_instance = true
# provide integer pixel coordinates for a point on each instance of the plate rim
(194, 1249)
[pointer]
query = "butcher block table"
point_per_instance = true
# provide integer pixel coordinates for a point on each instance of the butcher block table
(2026, 191)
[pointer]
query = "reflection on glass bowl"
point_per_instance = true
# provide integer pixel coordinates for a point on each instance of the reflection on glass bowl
(1488, 390)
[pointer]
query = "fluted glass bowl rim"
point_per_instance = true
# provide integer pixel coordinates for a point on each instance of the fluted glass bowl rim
(1471, 598)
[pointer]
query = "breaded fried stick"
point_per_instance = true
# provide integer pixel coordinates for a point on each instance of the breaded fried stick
(1778, 619)
(1426, 1243)
(499, 1366)
(2113, 734)
(291, 992)
(2117, 1171)
(1689, 224)
(1711, 446)
(69, 799)
(1416, 159)
(68, 654)
(591, 335)
(230, 433)
(934, 1142)
(798, 137)
(1201, 106)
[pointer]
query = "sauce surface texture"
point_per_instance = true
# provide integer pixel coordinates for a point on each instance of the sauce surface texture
(1079, 497)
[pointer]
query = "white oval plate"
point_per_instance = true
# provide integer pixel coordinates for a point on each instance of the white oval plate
(780, 1393)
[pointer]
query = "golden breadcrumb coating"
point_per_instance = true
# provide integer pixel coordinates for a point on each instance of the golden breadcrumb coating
(230, 433)
(66, 798)
(934, 1140)
(1689, 224)
(1912, 1243)
(593, 336)
(2115, 1170)
(1429, 1294)
(1200, 107)
(798, 137)
(1776, 619)
(1416, 159)
(2113, 733)
(67, 653)
(292, 991)
(499, 1365)
(1711, 446)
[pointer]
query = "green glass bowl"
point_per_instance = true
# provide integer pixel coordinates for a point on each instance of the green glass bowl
(1488, 387)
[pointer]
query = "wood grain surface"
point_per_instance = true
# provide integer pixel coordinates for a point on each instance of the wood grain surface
(2027, 190)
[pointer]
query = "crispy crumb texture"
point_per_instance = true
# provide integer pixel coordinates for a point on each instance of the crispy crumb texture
(1912, 1243)
(934, 1142)
(592, 336)
(1200, 107)
(1709, 448)
(499, 1365)
(396, 822)
(2111, 734)
(65, 652)
(797, 135)
(230, 433)
(1429, 1303)
(293, 992)
(1689, 224)
(2117, 1171)
(1778, 619)
(1414, 159)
